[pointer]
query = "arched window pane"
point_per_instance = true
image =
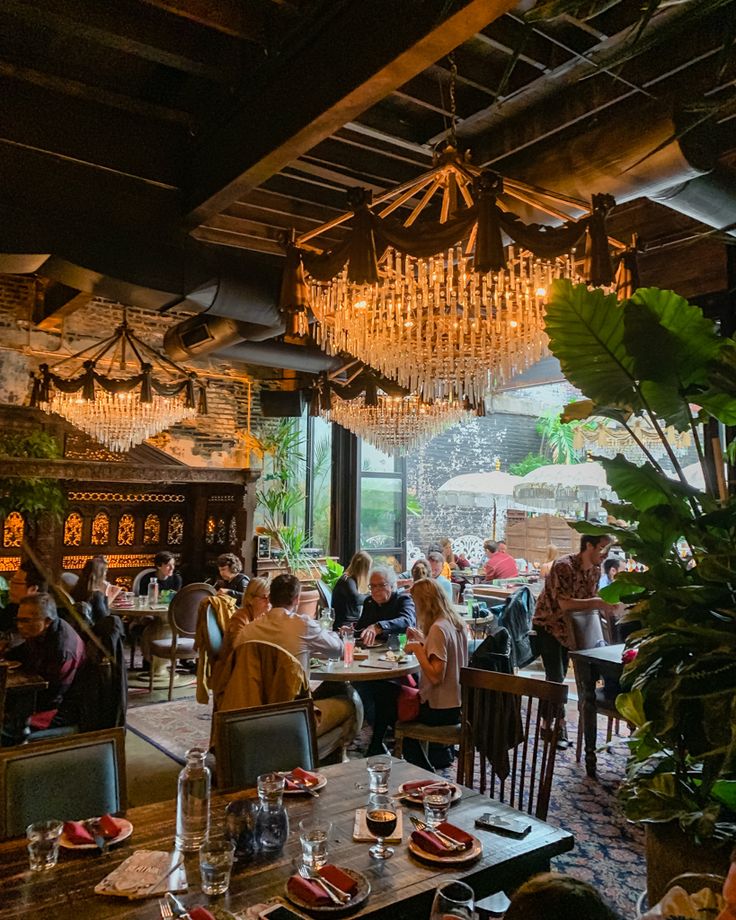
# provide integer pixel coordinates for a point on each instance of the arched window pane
(100, 529)
(175, 535)
(221, 535)
(73, 530)
(209, 535)
(126, 530)
(13, 530)
(233, 532)
(152, 529)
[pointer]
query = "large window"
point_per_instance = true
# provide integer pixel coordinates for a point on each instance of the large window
(319, 484)
(382, 506)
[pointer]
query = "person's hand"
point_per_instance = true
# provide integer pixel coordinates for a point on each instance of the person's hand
(414, 635)
(222, 591)
(369, 635)
(411, 647)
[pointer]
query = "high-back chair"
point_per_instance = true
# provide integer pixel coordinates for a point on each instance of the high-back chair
(80, 776)
(325, 595)
(139, 578)
(264, 739)
(3, 691)
(511, 726)
(183, 613)
(587, 630)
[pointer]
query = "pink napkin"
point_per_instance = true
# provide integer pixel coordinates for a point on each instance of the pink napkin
(302, 776)
(201, 913)
(109, 827)
(418, 787)
(76, 832)
(308, 891)
(431, 844)
(339, 879)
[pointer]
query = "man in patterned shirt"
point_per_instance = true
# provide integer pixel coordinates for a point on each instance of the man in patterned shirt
(572, 585)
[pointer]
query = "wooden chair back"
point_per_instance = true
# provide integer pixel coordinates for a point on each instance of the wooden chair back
(3, 692)
(510, 729)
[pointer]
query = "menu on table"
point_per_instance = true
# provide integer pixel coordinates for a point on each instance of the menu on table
(145, 874)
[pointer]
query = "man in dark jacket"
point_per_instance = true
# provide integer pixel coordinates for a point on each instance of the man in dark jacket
(385, 612)
(53, 650)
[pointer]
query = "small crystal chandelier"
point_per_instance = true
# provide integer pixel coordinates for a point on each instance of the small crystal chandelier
(119, 412)
(394, 424)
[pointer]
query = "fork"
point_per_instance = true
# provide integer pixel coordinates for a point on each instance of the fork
(443, 838)
(339, 897)
(165, 910)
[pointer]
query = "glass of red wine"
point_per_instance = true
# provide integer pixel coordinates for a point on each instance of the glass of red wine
(380, 817)
(453, 901)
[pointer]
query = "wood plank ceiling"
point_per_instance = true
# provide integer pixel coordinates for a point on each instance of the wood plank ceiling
(238, 120)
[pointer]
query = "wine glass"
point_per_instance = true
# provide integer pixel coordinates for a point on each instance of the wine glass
(381, 817)
(453, 899)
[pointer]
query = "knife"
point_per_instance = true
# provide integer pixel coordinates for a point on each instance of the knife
(100, 841)
(177, 906)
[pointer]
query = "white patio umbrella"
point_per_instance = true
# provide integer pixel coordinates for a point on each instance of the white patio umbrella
(478, 489)
(566, 488)
(694, 475)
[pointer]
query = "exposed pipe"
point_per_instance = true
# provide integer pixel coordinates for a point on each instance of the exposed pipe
(308, 360)
(197, 336)
(710, 199)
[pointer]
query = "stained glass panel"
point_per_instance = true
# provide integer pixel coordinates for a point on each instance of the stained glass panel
(100, 529)
(73, 530)
(175, 534)
(221, 535)
(13, 530)
(233, 532)
(152, 529)
(210, 530)
(126, 530)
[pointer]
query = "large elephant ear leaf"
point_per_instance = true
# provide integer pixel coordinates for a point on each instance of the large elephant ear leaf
(719, 399)
(670, 339)
(586, 335)
(642, 486)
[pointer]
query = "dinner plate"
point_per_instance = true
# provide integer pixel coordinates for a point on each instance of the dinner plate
(127, 830)
(318, 910)
(417, 798)
(11, 665)
(453, 858)
(320, 784)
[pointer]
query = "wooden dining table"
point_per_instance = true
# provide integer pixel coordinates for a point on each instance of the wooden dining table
(589, 665)
(372, 667)
(401, 887)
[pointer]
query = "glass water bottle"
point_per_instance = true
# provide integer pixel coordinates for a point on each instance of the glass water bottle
(193, 802)
(153, 592)
(272, 823)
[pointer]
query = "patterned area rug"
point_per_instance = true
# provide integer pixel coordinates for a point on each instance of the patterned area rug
(609, 852)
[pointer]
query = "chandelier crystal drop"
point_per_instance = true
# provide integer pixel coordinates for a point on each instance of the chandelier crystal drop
(395, 424)
(437, 327)
(119, 411)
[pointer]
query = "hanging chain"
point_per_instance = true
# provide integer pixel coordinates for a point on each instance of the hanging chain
(453, 101)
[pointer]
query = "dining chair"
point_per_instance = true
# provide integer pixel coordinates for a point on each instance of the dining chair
(587, 630)
(510, 729)
(3, 692)
(325, 595)
(183, 614)
(264, 739)
(80, 776)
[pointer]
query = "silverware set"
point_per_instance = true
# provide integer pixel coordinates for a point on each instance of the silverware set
(443, 838)
(334, 893)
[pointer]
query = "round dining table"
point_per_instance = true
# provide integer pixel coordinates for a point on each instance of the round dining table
(373, 667)
(159, 630)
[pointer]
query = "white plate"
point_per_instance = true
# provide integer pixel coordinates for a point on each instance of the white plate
(451, 858)
(417, 797)
(320, 784)
(123, 835)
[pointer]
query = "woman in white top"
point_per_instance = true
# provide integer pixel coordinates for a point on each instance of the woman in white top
(441, 647)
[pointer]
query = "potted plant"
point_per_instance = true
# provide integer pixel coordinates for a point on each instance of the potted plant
(657, 356)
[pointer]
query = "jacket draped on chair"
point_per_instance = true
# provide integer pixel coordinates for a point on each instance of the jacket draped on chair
(224, 607)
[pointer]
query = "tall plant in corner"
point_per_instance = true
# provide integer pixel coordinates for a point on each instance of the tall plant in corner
(29, 495)
(655, 355)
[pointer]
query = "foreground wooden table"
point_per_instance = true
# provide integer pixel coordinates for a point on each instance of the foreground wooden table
(590, 664)
(401, 887)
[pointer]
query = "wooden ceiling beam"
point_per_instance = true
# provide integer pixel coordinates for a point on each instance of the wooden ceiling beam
(355, 58)
(59, 302)
(248, 21)
(143, 32)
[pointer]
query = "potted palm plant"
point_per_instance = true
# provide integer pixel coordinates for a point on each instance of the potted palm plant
(656, 356)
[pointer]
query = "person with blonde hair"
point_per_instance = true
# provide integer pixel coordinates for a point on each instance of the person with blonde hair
(420, 569)
(351, 590)
(553, 552)
(255, 605)
(440, 643)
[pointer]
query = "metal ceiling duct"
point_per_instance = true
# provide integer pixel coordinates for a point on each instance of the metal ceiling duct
(308, 360)
(710, 199)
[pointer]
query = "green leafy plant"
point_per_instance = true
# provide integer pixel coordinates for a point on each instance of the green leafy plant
(332, 573)
(529, 463)
(557, 437)
(30, 496)
(657, 356)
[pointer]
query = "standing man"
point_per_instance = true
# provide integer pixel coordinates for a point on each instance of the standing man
(572, 585)
(52, 649)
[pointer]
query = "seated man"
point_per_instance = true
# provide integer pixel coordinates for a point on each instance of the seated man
(498, 564)
(168, 579)
(27, 580)
(231, 580)
(53, 650)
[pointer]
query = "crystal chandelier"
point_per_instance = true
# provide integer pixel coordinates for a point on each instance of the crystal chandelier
(394, 424)
(119, 412)
(452, 305)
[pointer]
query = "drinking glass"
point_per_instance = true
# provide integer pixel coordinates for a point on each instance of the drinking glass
(348, 642)
(43, 844)
(402, 641)
(393, 642)
(215, 865)
(381, 816)
(453, 899)
(314, 834)
(379, 773)
(437, 806)
(240, 826)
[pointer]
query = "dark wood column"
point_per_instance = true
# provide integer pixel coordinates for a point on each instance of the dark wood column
(344, 522)
(244, 517)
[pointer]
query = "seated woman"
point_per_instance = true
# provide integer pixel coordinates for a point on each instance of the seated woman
(231, 579)
(168, 579)
(255, 605)
(440, 644)
(351, 590)
(420, 569)
(93, 578)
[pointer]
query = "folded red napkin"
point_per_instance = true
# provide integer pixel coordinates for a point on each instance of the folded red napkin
(431, 844)
(76, 832)
(302, 776)
(201, 913)
(420, 785)
(339, 879)
(308, 891)
(109, 827)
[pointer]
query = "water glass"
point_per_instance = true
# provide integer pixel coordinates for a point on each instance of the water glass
(314, 834)
(453, 899)
(240, 827)
(215, 865)
(43, 844)
(379, 773)
(436, 806)
(348, 644)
